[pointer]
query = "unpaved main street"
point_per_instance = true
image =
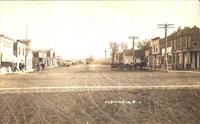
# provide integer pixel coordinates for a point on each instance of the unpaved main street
(93, 94)
(96, 75)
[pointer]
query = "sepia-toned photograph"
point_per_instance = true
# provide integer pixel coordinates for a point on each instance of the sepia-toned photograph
(100, 62)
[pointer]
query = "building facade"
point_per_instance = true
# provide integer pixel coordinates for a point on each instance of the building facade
(183, 49)
(128, 56)
(7, 59)
(51, 60)
(139, 55)
(186, 48)
(162, 44)
(28, 55)
(148, 56)
(29, 60)
(50, 57)
(55, 62)
(155, 52)
(19, 51)
(39, 57)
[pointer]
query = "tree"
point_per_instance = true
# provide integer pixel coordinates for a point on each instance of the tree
(124, 46)
(144, 45)
(114, 48)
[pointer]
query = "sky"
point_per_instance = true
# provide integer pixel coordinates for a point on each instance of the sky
(78, 29)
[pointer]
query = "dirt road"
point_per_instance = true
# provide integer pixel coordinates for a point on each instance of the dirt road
(96, 95)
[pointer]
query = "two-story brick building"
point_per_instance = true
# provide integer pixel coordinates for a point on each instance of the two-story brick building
(155, 52)
(162, 44)
(186, 48)
(183, 49)
(19, 51)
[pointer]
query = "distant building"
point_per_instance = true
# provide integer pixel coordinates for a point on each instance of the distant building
(121, 57)
(60, 61)
(55, 60)
(39, 57)
(51, 57)
(28, 55)
(118, 57)
(139, 55)
(128, 56)
(29, 60)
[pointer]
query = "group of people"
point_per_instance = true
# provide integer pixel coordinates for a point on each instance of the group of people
(131, 66)
(39, 66)
(21, 67)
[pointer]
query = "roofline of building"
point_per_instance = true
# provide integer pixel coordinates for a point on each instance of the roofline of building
(179, 29)
(35, 50)
(21, 41)
(46, 50)
(155, 38)
(42, 50)
(1, 35)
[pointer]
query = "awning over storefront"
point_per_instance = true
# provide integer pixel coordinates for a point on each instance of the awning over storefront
(9, 58)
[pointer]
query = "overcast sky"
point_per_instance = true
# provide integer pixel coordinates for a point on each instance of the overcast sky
(77, 29)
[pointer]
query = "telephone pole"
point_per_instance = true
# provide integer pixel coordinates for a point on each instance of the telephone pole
(166, 26)
(26, 32)
(27, 48)
(105, 54)
(133, 37)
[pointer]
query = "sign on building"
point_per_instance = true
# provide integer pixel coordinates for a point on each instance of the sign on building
(169, 50)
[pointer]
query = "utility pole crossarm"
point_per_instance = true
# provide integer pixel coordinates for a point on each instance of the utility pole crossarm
(133, 37)
(165, 25)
